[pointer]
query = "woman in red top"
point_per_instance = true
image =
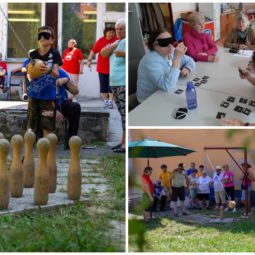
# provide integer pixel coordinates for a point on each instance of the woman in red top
(148, 190)
(103, 64)
(73, 61)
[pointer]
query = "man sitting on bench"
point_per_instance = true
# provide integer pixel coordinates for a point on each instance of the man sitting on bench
(65, 107)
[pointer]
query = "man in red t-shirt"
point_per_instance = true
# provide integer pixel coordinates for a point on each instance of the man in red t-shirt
(73, 61)
(103, 64)
(3, 71)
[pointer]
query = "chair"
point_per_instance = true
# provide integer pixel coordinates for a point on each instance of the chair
(14, 83)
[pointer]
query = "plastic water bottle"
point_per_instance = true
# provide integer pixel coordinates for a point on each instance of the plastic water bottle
(191, 96)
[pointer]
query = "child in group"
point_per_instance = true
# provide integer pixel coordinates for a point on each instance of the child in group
(42, 90)
(219, 191)
(193, 189)
(159, 196)
(3, 71)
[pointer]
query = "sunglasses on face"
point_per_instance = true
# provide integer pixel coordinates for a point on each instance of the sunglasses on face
(164, 42)
(45, 35)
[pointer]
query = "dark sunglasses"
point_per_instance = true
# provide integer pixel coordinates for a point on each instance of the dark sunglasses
(164, 42)
(45, 35)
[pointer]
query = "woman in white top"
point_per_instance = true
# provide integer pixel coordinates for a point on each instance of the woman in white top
(204, 182)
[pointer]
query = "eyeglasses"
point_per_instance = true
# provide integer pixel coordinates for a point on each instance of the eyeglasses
(45, 35)
(164, 42)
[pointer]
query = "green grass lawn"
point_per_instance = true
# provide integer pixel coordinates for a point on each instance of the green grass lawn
(79, 228)
(169, 235)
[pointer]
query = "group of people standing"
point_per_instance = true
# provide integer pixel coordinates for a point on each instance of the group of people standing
(196, 184)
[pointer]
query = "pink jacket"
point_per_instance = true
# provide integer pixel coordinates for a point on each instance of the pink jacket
(197, 43)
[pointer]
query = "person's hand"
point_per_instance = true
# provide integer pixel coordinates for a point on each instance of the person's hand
(61, 81)
(185, 72)
(231, 122)
(151, 198)
(244, 74)
(202, 54)
(243, 47)
(180, 50)
(44, 69)
(250, 67)
(89, 62)
(59, 116)
(212, 58)
(81, 72)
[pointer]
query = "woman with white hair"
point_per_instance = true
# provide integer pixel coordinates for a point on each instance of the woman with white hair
(199, 44)
(117, 54)
(73, 61)
(242, 36)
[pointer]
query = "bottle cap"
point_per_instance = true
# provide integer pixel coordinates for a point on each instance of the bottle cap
(190, 85)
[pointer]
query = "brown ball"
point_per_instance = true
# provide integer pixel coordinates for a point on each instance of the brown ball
(33, 68)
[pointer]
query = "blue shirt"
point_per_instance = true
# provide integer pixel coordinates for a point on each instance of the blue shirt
(157, 190)
(61, 91)
(25, 63)
(118, 66)
(43, 88)
(156, 72)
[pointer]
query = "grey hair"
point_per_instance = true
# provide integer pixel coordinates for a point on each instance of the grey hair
(242, 16)
(73, 41)
(121, 22)
(196, 17)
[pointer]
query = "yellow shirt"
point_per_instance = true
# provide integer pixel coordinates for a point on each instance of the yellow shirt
(199, 173)
(165, 179)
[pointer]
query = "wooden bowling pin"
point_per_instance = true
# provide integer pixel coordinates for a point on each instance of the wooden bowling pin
(4, 179)
(1, 135)
(51, 162)
(41, 192)
(28, 163)
(74, 171)
(16, 170)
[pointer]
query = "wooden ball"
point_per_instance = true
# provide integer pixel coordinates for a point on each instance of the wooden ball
(231, 204)
(33, 68)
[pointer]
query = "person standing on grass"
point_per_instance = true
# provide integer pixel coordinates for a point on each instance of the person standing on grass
(165, 177)
(193, 190)
(148, 190)
(204, 182)
(229, 185)
(103, 64)
(178, 178)
(219, 191)
(247, 184)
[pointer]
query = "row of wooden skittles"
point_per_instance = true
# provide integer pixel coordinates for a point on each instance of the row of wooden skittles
(44, 179)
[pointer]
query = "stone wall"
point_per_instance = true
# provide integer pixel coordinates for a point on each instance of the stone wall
(93, 124)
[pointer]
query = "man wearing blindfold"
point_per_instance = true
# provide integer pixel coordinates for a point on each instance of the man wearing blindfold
(161, 67)
(42, 90)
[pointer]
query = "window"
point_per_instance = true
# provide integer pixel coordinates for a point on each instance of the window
(115, 7)
(23, 21)
(79, 23)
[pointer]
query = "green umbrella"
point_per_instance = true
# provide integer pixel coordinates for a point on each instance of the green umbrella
(149, 148)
